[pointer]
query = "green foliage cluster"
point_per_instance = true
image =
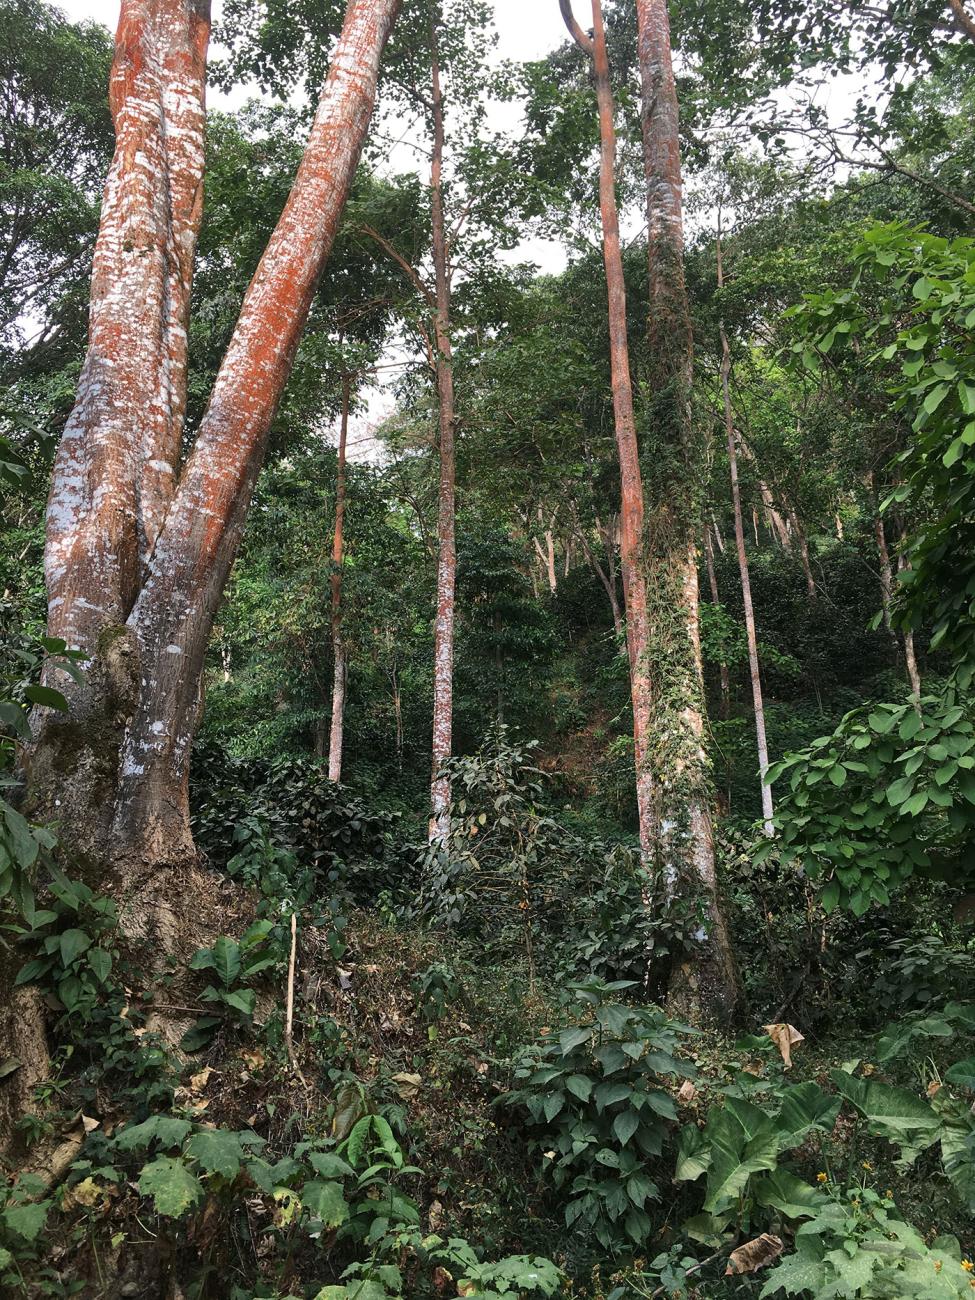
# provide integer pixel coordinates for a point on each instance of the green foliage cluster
(598, 1112)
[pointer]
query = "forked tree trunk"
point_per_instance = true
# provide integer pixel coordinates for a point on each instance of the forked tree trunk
(706, 983)
(137, 553)
(339, 669)
(631, 499)
(443, 651)
(746, 585)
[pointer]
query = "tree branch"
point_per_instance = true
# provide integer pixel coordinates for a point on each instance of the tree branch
(583, 41)
(403, 264)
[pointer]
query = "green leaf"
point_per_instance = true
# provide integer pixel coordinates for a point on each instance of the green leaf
(167, 1130)
(626, 1124)
(962, 1074)
(242, 1000)
(579, 1086)
(788, 1194)
(326, 1201)
(226, 960)
(100, 961)
(217, 1151)
(744, 1141)
(570, 1039)
(693, 1154)
(892, 1113)
(328, 1165)
(199, 1034)
(805, 1106)
(73, 944)
(174, 1190)
(27, 1221)
(49, 698)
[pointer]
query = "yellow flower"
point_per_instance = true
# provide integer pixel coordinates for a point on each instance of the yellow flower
(821, 1177)
(967, 1265)
(938, 1265)
(867, 1166)
(889, 1194)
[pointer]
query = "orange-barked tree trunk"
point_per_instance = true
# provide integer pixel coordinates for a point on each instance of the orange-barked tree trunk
(138, 552)
(706, 982)
(631, 484)
(339, 666)
(443, 649)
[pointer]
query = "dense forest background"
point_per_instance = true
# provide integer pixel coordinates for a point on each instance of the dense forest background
(399, 1063)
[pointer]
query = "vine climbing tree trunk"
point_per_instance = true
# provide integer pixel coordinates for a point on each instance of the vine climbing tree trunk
(705, 983)
(443, 650)
(754, 667)
(631, 484)
(138, 552)
(339, 669)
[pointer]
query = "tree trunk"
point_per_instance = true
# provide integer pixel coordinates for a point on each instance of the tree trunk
(910, 658)
(135, 564)
(716, 601)
(706, 983)
(631, 501)
(746, 586)
(338, 641)
(803, 553)
(883, 553)
(443, 652)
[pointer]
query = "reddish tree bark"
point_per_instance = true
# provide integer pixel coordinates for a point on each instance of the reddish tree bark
(338, 642)
(136, 563)
(746, 585)
(631, 484)
(443, 650)
(706, 984)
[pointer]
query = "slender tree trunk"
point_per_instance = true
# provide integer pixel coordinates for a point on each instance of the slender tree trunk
(608, 579)
(803, 553)
(338, 559)
(883, 554)
(706, 982)
(746, 586)
(910, 658)
(631, 500)
(443, 653)
(716, 600)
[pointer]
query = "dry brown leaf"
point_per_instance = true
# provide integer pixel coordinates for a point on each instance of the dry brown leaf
(254, 1060)
(687, 1092)
(199, 1081)
(785, 1037)
(934, 1087)
(407, 1085)
(90, 1124)
(755, 1254)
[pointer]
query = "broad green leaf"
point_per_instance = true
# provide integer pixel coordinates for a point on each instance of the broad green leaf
(26, 1221)
(217, 1151)
(892, 1113)
(174, 1190)
(326, 1202)
(167, 1130)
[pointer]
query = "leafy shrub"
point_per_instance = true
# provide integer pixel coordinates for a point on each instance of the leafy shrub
(597, 1111)
(251, 815)
(74, 940)
(855, 1246)
(235, 965)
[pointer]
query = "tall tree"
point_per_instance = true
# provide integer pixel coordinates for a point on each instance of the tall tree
(339, 665)
(632, 562)
(443, 649)
(754, 666)
(678, 753)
